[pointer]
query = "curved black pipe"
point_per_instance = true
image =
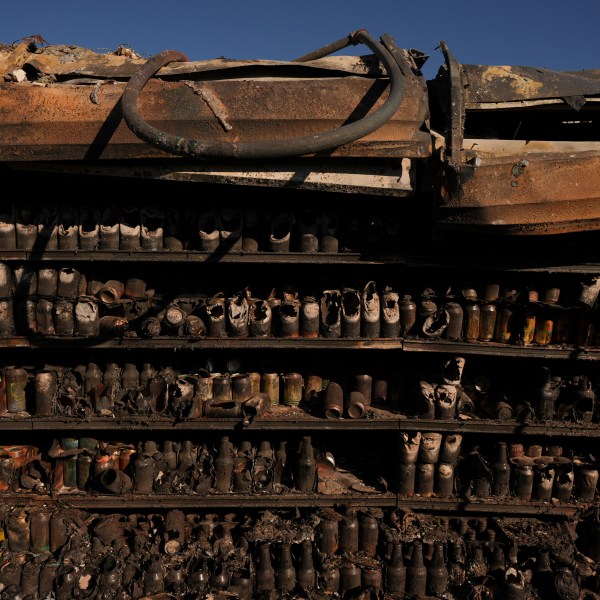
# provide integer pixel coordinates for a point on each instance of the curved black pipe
(267, 148)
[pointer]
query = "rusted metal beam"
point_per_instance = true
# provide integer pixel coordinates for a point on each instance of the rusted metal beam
(527, 194)
(66, 121)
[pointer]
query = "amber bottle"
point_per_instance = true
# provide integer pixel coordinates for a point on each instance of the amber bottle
(437, 573)
(286, 574)
(224, 466)
(307, 467)
(265, 574)
(395, 572)
(416, 573)
(306, 568)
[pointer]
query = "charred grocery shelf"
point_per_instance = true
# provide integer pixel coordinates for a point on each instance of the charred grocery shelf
(511, 507)
(305, 423)
(181, 343)
(294, 258)
(226, 500)
(319, 258)
(274, 343)
(291, 500)
(497, 349)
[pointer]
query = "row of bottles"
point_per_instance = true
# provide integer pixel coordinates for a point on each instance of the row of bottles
(427, 464)
(433, 464)
(227, 229)
(543, 396)
(89, 465)
(88, 390)
(66, 302)
(85, 391)
(64, 554)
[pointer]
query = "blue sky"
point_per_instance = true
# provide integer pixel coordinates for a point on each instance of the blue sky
(552, 34)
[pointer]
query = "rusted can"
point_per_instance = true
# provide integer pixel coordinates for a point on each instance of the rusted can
(293, 385)
(309, 317)
(255, 382)
(472, 319)
(357, 405)
(205, 386)
(363, 383)
(528, 328)
(222, 388)
(544, 328)
(289, 318)
(524, 477)
(39, 525)
(241, 385)
(504, 325)
(16, 381)
(487, 324)
(269, 384)
(333, 404)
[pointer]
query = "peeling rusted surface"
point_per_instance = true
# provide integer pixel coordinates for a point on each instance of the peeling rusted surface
(521, 154)
(541, 194)
(60, 122)
(483, 83)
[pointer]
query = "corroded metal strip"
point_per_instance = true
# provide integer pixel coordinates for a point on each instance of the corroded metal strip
(61, 122)
(486, 83)
(527, 194)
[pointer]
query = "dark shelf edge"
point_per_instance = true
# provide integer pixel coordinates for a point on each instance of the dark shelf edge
(262, 257)
(273, 343)
(395, 423)
(229, 500)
